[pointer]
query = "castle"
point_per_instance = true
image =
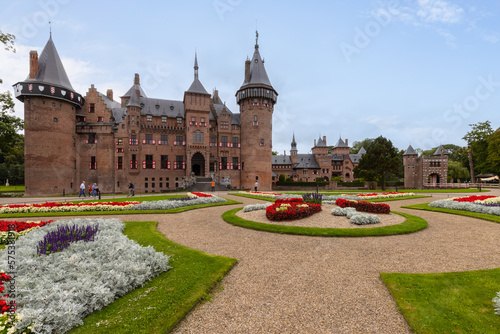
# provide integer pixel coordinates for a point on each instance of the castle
(153, 142)
(425, 171)
(320, 163)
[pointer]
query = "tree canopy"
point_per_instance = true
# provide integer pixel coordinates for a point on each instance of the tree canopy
(477, 140)
(381, 159)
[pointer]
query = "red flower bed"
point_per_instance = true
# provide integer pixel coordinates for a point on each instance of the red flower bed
(20, 226)
(4, 307)
(295, 210)
(289, 200)
(473, 198)
(201, 195)
(364, 206)
(376, 194)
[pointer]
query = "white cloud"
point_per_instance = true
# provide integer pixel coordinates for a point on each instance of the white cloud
(439, 11)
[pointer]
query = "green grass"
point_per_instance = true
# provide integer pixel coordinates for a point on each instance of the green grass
(104, 213)
(457, 302)
(426, 207)
(162, 302)
(11, 189)
(412, 224)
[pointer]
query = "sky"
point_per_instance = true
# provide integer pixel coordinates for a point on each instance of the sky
(417, 72)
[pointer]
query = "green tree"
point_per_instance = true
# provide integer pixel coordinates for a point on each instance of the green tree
(274, 152)
(477, 140)
(457, 171)
(365, 143)
(381, 159)
(494, 152)
(11, 142)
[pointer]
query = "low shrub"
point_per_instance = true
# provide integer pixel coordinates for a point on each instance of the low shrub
(313, 198)
(291, 210)
(364, 206)
(254, 207)
(364, 219)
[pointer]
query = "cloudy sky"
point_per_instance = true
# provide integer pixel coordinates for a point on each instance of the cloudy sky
(416, 72)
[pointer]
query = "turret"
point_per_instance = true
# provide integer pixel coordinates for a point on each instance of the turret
(256, 98)
(50, 105)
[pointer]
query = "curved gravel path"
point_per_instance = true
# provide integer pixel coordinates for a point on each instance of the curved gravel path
(300, 284)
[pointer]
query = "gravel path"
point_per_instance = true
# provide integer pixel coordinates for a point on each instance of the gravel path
(300, 284)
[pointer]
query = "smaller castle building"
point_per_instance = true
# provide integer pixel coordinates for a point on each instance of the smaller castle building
(425, 171)
(320, 163)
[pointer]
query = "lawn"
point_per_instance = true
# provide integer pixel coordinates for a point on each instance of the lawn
(456, 302)
(11, 189)
(162, 302)
(412, 224)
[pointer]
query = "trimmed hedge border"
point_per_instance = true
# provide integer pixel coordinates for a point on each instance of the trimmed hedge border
(412, 224)
(426, 207)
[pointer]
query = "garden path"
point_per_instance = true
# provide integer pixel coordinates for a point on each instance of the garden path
(301, 284)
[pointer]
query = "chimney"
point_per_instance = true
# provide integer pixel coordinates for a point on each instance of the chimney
(324, 139)
(347, 142)
(247, 70)
(314, 142)
(33, 64)
(136, 79)
(109, 94)
(216, 95)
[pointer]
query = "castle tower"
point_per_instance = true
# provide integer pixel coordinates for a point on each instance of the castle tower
(411, 169)
(256, 98)
(293, 151)
(50, 105)
(197, 112)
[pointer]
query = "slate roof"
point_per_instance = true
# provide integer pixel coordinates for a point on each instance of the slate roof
(320, 143)
(110, 104)
(258, 74)
(410, 151)
(439, 149)
(281, 160)
(340, 143)
(132, 91)
(119, 114)
(307, 161)
(355, 158)
(362, 150)
(161, 107)
(235, 118)
(337, 157)
(294, 144)
(196, 86)
(50, 68)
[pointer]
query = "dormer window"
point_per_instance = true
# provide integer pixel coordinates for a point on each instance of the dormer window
(149, 119)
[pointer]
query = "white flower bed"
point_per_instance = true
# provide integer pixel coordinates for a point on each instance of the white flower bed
(83, 208)
(172, 204)
(259, 194)
(381, 196)
(58, 290)
(465, 206)
(254, 207)
(496, 300)
(356, 217)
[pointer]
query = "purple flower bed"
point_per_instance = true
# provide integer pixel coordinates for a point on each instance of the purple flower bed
(61, 238)
(183, 199)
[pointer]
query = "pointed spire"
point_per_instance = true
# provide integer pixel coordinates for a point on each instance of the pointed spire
(256, 40)
(195, 65)
(410, 151)
(294, 144)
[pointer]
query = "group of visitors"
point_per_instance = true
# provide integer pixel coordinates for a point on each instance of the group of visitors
(93, 190)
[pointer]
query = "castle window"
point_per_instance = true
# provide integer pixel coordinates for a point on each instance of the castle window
(212, 142)
(133, 162)
(133, 140)
(91, 138)
(255, 121)
(100, 119)
(179, 141)
(119, 163)
(304, 171)
(55, 120)
(179, 122)
(164, 163)
(223, 141)
(163, 120)
(149, 162)
(262, 142)
(149, 138)
(198, 136)
(119, 142)
(92, 108)
(93, 163)
(235, 142)
(149, 119)
(179, 162)
(235, 163)
(223, 163)
(164, 140)
(53, 104)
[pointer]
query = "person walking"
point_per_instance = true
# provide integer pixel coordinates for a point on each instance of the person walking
(97, 191)
(213, 185)
(93, 191)
(256, 185)
(82, 189)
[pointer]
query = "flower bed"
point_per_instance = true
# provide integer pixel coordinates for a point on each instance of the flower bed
(198, 195)
(313, 198)
(67, 207)
(489, 209)
(255, 207)
(260, 194)
(20, 228)
(364, 206)
(356, 217)
(384, 195)
(169, 204)
(291, 209)
(477, 199)
(58, 290)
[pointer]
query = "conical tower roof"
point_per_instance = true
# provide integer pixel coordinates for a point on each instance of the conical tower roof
(340, 143)
(294, 143)
(258, 74)
(196, 86)
(410, 151)
(440, 149)
(50, 67)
